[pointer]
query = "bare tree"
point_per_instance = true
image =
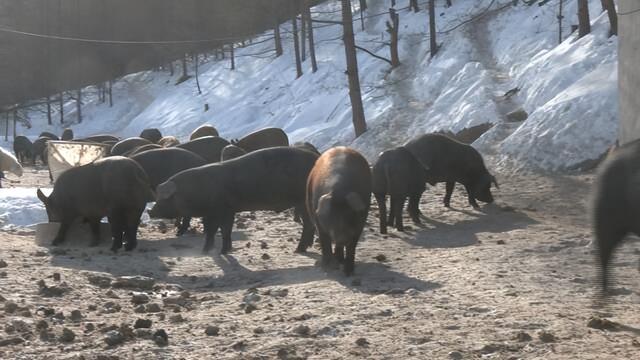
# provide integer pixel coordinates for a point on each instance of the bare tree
(278, 39)
(312, 47)
(357, 109)
(195, 61)
(49, 110)
(363, 5)
(79, 105)
(303, 38)
(296, 45)
(560, 17)
(232, 55)
(61, 104)
(392, 29)
(613, 16)
(448, 3)
(413, 4)
(584, 24)
(432, 28)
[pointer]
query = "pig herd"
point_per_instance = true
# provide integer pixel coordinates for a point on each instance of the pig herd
(211, 178)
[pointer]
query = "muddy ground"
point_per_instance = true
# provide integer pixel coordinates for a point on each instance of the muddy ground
(515, 280)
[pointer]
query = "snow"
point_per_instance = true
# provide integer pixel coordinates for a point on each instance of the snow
(568, 89)
(20, 207)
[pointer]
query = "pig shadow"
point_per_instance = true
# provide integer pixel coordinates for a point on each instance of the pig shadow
(147, 260)
(490, 219)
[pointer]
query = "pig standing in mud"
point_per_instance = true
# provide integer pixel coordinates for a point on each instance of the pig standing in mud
(616, 204)
(338, 199)
(269, 179)
(115, 187)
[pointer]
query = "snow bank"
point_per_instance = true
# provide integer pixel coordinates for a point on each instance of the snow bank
(20, 207)
(569, 90)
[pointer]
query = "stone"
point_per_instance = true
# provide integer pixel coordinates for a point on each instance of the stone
(41, 325)
(134, 282)
(99, 280)
(76, 315)
(362, 342)
(523, 337)
(144, 333)
(546, 337)
(153, 308)
(249, 308)
(302, 330)
(140, 309)
(380, 258)
(278, 292)
(601, 324)
(11, 341)
(161, 338)
(3, 264)
(455, 355)
(111, 307)
(265, 256)
(517, 115)
(139, 298)
(67, 335)
(142, 324)
(176, 319)
(113, 338)
(212, 330)
(10, 307)
(56, 276)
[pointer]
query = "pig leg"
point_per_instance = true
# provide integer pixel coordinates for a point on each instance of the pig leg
(62, 232)
(447, 195)
(382, 208)
(183, 226)
(116, 220)
(131, 229)
(414, 207)
(339, 253)
(608, 235)
(471, 197)
(392, 205)
(306, 240)
(397, 210)
(95, 232)
(226, 228)
(210, 229)
(325, 244)
(351, 258)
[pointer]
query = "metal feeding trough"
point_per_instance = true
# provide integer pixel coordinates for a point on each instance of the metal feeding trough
(79, 235)
(63, 155)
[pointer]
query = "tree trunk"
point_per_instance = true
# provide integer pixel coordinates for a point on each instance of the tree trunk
(278, 39)
(560, 17)
(413, 4)
(79, 105)
(61, 103)
(6, 129)
(312, 47)
(604, 4)
(195, 61)
(584, 24)
(49, 110)
(15, 121)
(184, 66)
(613, 16)
(357, 110)
(363, 5)
(171, 72)
(432, 28)
(303, 38)
(232, 54)
(110, 93)
(392, 29)
(448, 3)
(296, 45)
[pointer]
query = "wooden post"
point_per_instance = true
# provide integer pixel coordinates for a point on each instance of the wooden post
(110, 93)
(296, 45)
(392, 29)
(357, 109)
(613, 16)
(432, 28)
(303, 38)
(15, 120)
(6, 128)
(312, 47)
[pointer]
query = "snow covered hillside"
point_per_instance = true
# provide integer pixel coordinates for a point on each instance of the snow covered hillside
(569, 90)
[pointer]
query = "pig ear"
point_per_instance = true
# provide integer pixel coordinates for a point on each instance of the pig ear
(165, 190)
(42, 197)
(494, 181)
(355, 202)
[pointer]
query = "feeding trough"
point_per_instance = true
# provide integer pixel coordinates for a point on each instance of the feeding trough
(79, 235)
(63, 155)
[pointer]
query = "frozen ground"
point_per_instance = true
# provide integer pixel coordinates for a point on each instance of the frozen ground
(512, 281)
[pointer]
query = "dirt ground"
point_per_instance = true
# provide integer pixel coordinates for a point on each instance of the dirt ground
(515, 280)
